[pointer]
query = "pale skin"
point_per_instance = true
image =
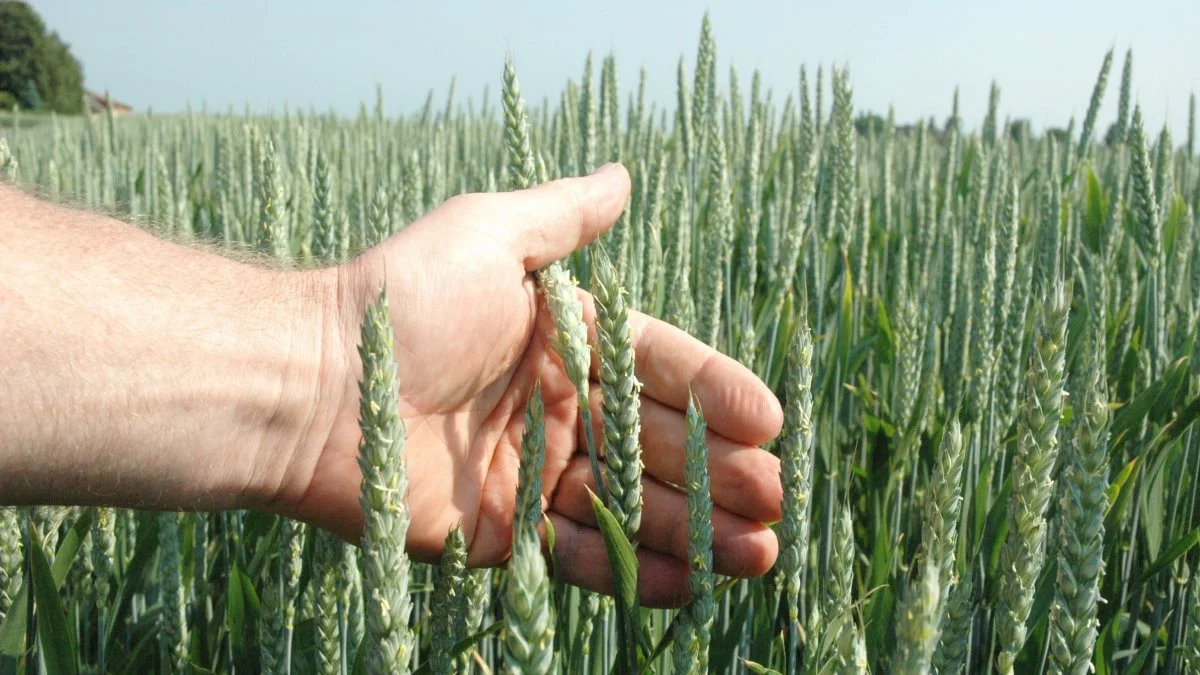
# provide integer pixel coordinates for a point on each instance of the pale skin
(143, 373)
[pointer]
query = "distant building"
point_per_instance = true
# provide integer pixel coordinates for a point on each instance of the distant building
(98, 103)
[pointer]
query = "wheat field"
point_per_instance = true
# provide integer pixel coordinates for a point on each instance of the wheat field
(984, 340)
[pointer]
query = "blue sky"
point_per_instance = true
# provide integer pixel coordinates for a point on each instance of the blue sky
(166, 54)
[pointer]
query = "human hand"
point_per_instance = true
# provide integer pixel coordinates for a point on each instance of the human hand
(470, 342)
(191, 381)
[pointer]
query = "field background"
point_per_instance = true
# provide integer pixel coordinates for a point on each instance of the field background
(983, 334)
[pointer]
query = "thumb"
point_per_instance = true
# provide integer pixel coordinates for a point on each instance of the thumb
(554, 219)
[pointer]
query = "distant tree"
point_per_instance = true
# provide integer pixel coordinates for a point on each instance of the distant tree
(29, 54)
(20, 32)
(1110, 136)
(1059, 135)
(31, 99)
(1020, 130)
(870, 124)
(60, 74)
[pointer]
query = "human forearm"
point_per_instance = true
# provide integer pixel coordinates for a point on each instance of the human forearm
(138, 372)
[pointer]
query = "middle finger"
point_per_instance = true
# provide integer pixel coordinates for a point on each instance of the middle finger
(744, 478)
(740, 547)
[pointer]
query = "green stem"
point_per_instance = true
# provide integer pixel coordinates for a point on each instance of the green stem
(586, 413)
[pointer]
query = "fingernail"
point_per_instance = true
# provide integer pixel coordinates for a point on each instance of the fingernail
(606, 168)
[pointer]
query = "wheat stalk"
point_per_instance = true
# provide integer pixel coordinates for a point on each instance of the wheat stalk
(690, 650)
(11, 557)
(1147, 231)
(841, 634)
(385, 564)
(328, 553)
(620, 396)
(569, 340)
(950, 657)
(273, 232)
(917, 621)
(173, 631)
(447, 602)
(796, 465)
(1192, 645)
(1083, 502)
(529, 622)
(1089, 120)
(1032, 477)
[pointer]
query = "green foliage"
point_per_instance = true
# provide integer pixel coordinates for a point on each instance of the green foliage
(886, 279)
(31, 98)
(36, 67)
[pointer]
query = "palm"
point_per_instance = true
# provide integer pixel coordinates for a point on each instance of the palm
(470, 344)
(464, 399)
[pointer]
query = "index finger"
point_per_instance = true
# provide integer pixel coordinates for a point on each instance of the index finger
(668, 362)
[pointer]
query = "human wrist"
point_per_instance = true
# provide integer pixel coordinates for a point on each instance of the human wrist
(292, 418)
(287, 477)
(157, 375)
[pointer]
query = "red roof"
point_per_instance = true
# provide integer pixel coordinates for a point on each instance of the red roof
(99, 102)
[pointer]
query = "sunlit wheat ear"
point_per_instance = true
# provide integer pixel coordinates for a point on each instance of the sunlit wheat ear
(991, 122)
(476, 602)
(841, 634)
(273, 232)
(447, 603)
(1093, 110)
(11, 557)
(569, 340)
(1192, 649)
(1083, 501)
(1144, 204)
(291, 563)
(1023, 555)
(529, 621)
(327, 559)
(910, 348)
(529, 625)
(705, 78)
(1121, 126)
(589, 111)
(620, 396)
(718, 242)
(385, 564)
(8, 162)
(950, 656)
(1011, 334)
(518, 149)
(943, 505)
(694, 623)
(379, 219)
(528, 514)
(104, 567)
(917, 620)
(1190, 147)
(1146, 197)
(326, 223)
(796, 464)
(982, 346)
(845, 175)
(173, 631)
(920, 616)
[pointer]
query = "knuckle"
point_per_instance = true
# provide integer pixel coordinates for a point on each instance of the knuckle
(466, 202)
